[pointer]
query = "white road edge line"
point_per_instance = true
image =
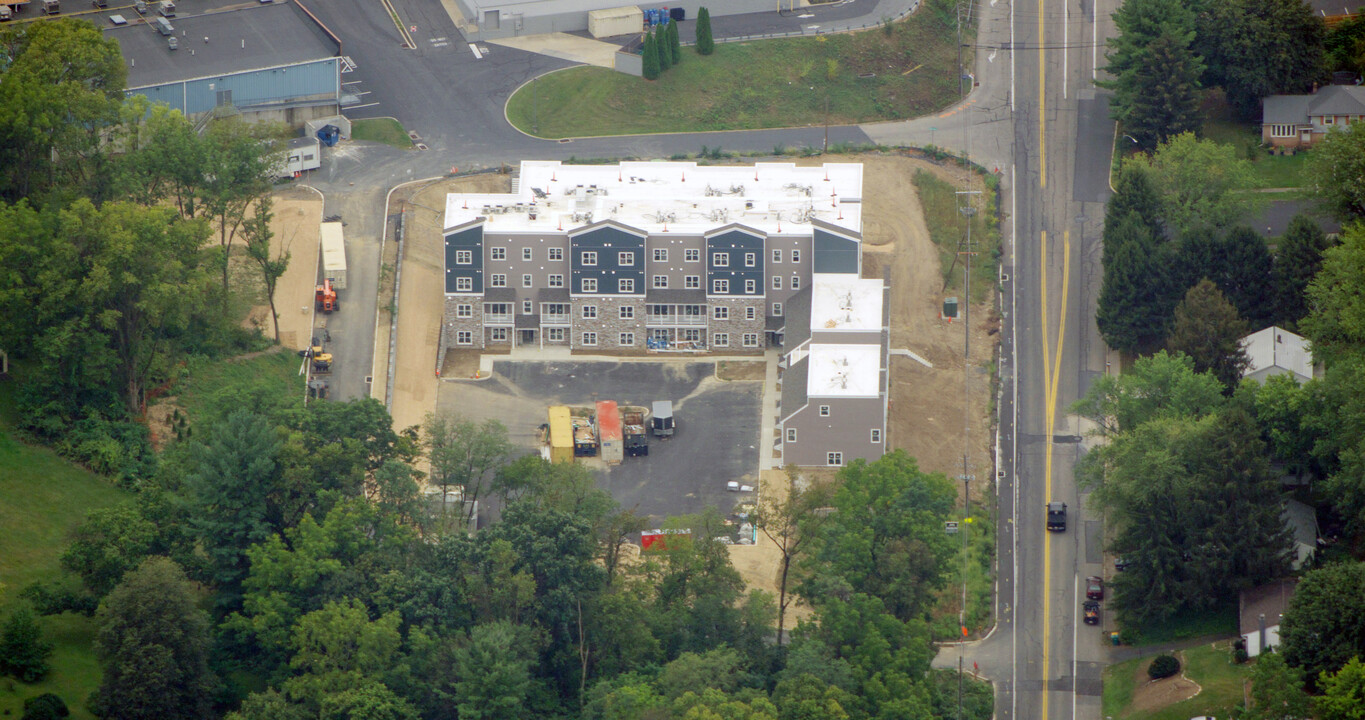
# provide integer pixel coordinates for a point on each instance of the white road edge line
(1013, 50)
(1066, 49)
(1094, 39)
(1014, 425)
(1075, 640)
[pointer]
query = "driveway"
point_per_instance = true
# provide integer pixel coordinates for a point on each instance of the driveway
(717, 424)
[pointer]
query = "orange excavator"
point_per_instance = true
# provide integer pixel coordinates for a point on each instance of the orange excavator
(326, 296)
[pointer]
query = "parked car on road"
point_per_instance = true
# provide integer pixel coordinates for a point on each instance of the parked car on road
(1091, 610)
(1094, 587)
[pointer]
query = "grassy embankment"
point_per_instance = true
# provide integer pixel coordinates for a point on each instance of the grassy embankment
(1208, 665)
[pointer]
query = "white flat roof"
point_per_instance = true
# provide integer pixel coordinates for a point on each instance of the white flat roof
(1277, 347)
(844, 371)
(840, 301)
(682, 197)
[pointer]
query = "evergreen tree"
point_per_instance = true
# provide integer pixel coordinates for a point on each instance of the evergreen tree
(649, 58)
(1135, 304)
(661, 47)
(1160, 97)
(47, 706)
(1134, 67)
(1238, 262)
(1257, 48)
(1135, 193)
(1297, 260)
(674, 44)
(23, 654)
(705, 43)
(153, 641)
(1208, 329)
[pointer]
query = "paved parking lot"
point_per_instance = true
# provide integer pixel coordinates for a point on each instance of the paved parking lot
(717, 424)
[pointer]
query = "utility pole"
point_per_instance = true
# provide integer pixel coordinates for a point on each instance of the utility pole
(826, 150)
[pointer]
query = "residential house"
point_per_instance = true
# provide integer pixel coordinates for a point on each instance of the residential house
(1276, 351)
(1300, 121)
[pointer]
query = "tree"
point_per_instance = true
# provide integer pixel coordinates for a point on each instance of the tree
(153, 642)
(494, 668)
(649, 58)
(1277, 690)
(1208, 330)
(466, 455)
(23, 653)
(1134, 304)
(1337, 169)
(1200, 182)
(705, 43)
(107, 545)
(662, 47)
(1159, 98)
(1324, 626)
(1137, 197)
(1343, 693)
(1257, 48)
(1336, 298)
(1160, 386)
(885, 537)
(787, 516)
(45, 707)
(1345, 46)
(1297, 260)
(674, 43)
(1238, 262)
(237, 173)
(230, 487)
(1333, 421)
(258, 234)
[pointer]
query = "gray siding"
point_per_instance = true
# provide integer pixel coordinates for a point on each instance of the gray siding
(834, 254)
(469, 240)
(847, 429)
(608, 243)
(727, 259)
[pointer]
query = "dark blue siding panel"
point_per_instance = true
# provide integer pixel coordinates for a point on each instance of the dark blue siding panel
(834, 254)
(470, 239)
(608, 242)
(735, 246)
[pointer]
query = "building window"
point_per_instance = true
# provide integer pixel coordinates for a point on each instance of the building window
(777, 282)
(750, 286)
(464, 257)
(589, 338)
(556, 253)
(525, 307)
(499, 334)
(625, 259)
(499, 280)
(692, 255)
(554, 334)
(589, 312)
(691, 335)
(660, 282)
(499, 253)
(777, 256)
(1327, 119)
(627, 339)
(876, 435)
(796, 256)
(834, 459)
(660, 255)
(627, 312)
(750, 313)
(526, 281)
(464, 311)
(556, 281)
(625, 286)
(527, 253)
(720, 340)
(777, 309)
(824, 411)
(589, 285)
(796, 282)
(750, 259)
(464, 337)
(720, 313)
(692, 282)
(720, 259)
(1282, 131)
(589, 257)
(464, 284)
(791, 434)
(750, 339)
(720, 287)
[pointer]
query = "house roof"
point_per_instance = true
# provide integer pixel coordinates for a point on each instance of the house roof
(1285, 109)
(1277, 347)
(1331, 100)
(844, 371)
(1271, 600)
(845, 302)
(1302, 521)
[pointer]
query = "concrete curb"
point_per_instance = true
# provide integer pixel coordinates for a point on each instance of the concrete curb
(393, 321)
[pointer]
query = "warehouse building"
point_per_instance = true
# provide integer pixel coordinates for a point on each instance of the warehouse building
(492, 19)
(268, 62)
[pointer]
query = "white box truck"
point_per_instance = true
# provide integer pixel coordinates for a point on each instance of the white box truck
(334, 255)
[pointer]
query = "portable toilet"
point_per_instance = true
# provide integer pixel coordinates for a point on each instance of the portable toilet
(609, 432)
(561, 435)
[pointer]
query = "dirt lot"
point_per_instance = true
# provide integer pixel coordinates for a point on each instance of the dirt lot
(1149, 695)
(419, 326)
(297, 213)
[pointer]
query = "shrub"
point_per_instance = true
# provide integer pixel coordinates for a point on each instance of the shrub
(23, 653)
(45, 707)
(705, 43)
(1163, 666)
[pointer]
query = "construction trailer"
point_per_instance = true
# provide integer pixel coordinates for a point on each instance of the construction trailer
(663, 418)
(584, 433)
(609, 432)
(561, 435)
(334, 255)
(634, 419)
(299, 156)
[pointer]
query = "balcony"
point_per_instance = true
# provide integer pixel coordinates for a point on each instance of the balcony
(671, 320)
(555, 319)
(493, 319)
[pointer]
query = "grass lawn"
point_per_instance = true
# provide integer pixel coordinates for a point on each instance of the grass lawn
(1271, 171)
(255, 381)
(1218, 621)
(384, 130)
(42, 499)
(1208, 665)
(904, 70)
(947, 228)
